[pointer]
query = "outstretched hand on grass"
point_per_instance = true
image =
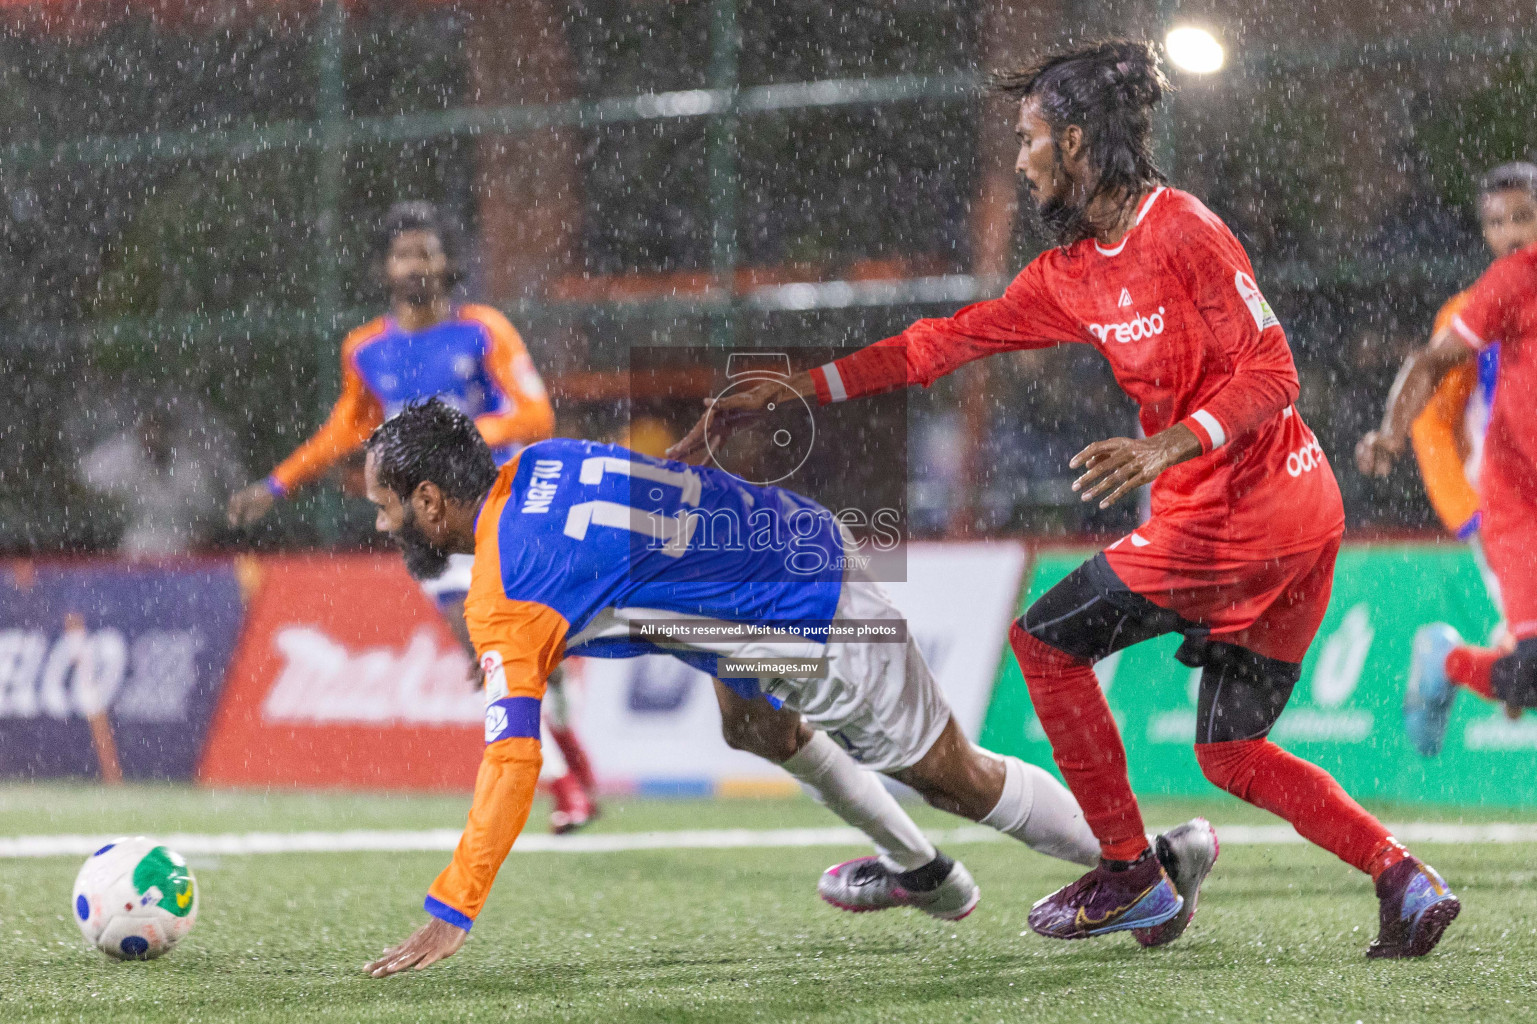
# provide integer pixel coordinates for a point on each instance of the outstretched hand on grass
(427, 945)
(1120, 465)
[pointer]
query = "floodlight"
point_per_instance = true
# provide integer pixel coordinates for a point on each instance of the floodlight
(1194, 49)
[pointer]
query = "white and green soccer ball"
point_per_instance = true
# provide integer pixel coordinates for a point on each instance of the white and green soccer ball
(135, 900)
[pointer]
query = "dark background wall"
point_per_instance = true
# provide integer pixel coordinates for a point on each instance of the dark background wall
(1340, 144)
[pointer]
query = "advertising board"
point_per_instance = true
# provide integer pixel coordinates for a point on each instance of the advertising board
(345, 675)
(1346, 712)
(140, 648)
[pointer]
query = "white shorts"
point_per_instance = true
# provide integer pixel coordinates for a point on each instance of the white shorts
(454, 581)
(879, 701)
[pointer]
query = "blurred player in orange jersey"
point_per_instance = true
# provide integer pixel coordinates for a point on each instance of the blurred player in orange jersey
(469, 356)
(1448, 438)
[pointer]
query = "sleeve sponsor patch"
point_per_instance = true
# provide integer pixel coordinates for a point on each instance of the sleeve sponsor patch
(1259, 309)
(496, 676)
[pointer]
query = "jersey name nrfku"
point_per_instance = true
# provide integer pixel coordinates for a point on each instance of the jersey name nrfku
(542, 488)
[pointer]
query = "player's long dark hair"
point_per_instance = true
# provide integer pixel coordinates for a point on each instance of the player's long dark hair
(437, 443)
(1108, 90)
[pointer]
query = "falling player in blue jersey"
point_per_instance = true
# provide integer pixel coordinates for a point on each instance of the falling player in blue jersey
(591, 549)
(469, 356)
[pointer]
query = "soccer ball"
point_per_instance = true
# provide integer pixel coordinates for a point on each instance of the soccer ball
(135, 900)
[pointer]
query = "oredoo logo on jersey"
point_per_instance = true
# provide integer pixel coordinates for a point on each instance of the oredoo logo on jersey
(1135, 329)
(1310, 456)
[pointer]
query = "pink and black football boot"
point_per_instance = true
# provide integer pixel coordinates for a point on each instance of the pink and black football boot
(942, 888)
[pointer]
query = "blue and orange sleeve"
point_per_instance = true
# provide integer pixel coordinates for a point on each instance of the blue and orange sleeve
(352, 419)
(528, 416)
(519, 643)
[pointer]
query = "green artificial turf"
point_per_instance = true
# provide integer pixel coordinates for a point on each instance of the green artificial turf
(728, 935)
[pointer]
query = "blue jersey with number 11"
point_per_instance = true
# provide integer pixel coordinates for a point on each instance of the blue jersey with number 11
(576, 543)
(587, 528)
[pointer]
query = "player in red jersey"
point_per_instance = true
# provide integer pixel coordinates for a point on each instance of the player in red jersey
(1448, 438)
(1501, 308)
(1246, 516)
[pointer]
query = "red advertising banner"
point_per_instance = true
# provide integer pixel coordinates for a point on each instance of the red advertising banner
(345, 676)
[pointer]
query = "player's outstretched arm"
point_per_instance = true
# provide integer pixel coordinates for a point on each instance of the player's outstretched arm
(1417, 381)
(1118, 466)
(504, 792)
(433, 941)
(724, 416)
(352, 419)
(1023, 317)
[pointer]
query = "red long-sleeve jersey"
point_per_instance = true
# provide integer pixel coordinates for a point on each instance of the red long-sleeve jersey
(1502, 306)
(1175, 309)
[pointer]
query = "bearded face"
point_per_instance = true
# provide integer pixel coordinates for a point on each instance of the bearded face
(1060, 212)
(424, 559)
(1058, 217)
(416, 267)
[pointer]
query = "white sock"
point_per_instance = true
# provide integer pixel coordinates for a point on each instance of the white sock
(858, 797)
(1038, 810)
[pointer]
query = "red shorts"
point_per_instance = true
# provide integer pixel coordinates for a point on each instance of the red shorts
(1508, 534)
(1272, 607)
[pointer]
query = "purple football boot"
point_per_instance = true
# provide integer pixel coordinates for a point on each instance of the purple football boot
(1416, 907)
(1104, 901)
